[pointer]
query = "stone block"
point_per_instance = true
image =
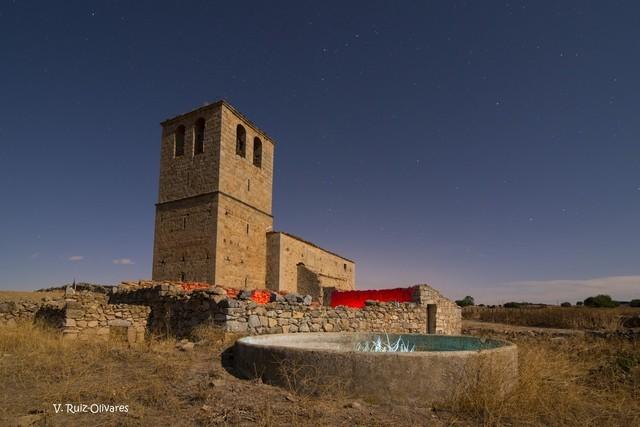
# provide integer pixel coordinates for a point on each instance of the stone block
(254, 321)
(234, 326)
(119, 323)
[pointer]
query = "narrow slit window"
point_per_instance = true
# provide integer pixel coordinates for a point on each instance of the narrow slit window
(241, 141)
(178, 142)
(198, 137)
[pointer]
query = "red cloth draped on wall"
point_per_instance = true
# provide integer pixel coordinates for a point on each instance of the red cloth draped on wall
(357, 299)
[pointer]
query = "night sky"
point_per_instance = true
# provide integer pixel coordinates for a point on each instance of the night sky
(486, 148)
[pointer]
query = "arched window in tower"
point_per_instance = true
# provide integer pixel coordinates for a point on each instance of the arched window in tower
(178, 142)
(241, 141)
(257, 152)
(198, 137)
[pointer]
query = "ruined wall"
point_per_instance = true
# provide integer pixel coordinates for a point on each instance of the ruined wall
(299, 266)
(48, 310)
(178, 312)
(133, 310)
(288, 317)
(184, 238)
(88, 315)
(449, 314)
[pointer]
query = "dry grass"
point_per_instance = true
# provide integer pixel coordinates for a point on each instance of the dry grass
(28, 295)
(162, 386)
(567, 382)
(576, 382)
(38, 369)
(609, 319)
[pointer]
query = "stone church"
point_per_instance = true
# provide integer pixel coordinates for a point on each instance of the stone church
(214, 221)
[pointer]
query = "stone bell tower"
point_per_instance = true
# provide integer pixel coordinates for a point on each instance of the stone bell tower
(214, 202)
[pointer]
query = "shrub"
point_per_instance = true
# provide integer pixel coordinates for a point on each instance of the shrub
(565, 304)
(582, 383)
(600, 301)
(513, 304)
(466, 301)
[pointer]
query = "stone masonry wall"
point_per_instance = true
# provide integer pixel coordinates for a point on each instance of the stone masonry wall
(178, 312)
(88, 315)
(449, 314)
(241, 245)
(130, 312)
(48, 310)
(286, 317)
(186, 214)
(299, 266)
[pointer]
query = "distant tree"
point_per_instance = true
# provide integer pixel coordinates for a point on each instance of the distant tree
(635, 303)
(511, 304)
(579, 303)
(466, 301)
(600, 301)
(565, 304)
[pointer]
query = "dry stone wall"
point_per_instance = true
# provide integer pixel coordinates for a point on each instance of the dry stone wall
(238, 175)
(132, 311)
(448, 313)
(89, 315)
(190, 174)
(47, 310)
(286, 317)
(177, 312)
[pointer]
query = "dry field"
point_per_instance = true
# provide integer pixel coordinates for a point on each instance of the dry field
(608, 319)
(573, 381)
(28, 295)
(162, 386)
